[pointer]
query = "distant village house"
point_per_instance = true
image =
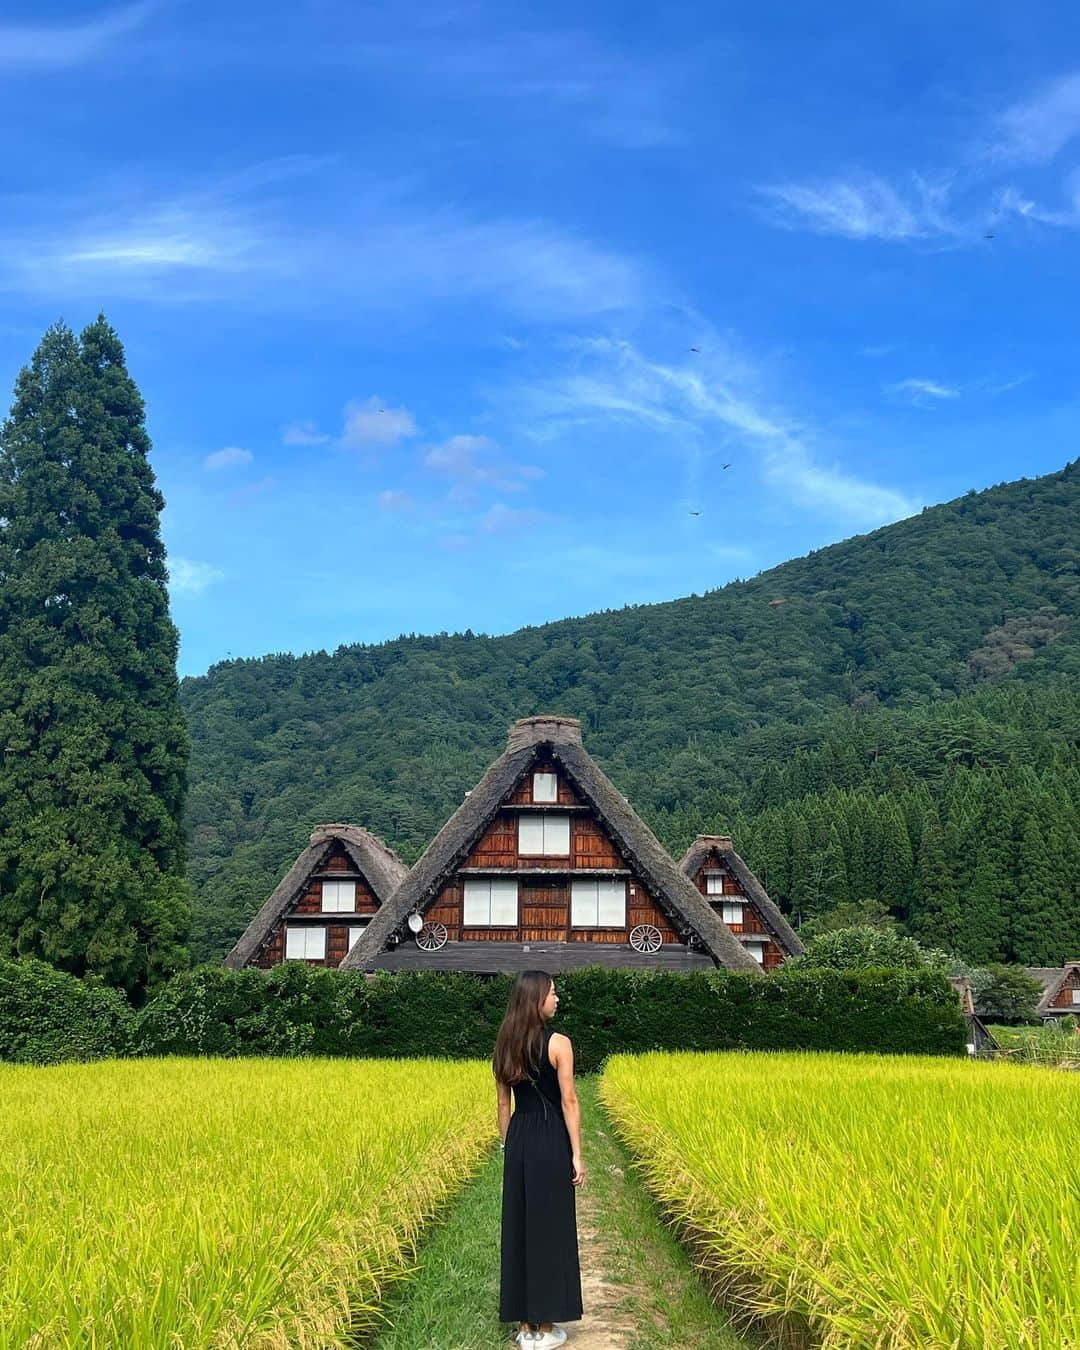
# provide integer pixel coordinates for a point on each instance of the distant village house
(544, 863)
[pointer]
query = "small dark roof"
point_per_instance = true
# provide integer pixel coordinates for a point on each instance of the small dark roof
(698, 854)
(1052, 978)
(379, 865)
(560, 738)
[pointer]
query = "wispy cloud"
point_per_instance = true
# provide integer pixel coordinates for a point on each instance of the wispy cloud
(475, 462)
(242, 241)
(231, 457)
(865, 207)
(613, 96)
(694, 404)
(1035, 130)
(303, 433)
(242, 496)
(188, 577)
(372, 425)
(43, 47)
(395, 502)
(502, 519)
(923, 393)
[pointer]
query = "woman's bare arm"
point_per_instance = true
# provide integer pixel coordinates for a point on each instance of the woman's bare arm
(502, 1096)
(563, 1053)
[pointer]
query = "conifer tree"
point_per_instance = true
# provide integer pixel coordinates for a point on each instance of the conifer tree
(93, 744)
(1041, 932)
(936, 911)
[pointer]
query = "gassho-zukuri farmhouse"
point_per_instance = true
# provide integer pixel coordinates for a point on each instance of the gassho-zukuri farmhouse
(544, 864)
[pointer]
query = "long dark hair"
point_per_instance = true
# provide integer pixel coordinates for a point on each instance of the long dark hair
(521, 1036)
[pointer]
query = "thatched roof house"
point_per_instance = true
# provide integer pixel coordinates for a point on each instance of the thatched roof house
(546, 864)
(324, 901)
(735, 893)
(1061, 990)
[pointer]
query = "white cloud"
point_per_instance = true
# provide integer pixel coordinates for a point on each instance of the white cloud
(373, 425)
(694, 405)
(860, 208)
(923, 393)
(241, 496)
(475, 462)
(395, 502)
(231, 457)
(502, 519)
(188, 577)
(37, 47)
(379, 255)
(303, 433)
(1034, 131)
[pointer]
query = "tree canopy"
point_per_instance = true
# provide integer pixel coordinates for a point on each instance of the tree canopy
(93, 748)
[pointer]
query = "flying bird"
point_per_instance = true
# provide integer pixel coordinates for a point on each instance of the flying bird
(988, 236)
(695, 349)
(695, 513)
(725, 466)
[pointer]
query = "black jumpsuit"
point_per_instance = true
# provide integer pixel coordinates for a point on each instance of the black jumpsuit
(541, 1281)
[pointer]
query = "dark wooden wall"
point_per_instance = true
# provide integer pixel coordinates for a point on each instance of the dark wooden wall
(337, 864)
(733, 890)
(1063, 998)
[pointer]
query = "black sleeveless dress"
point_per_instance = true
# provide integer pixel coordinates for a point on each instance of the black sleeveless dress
(541, 1280)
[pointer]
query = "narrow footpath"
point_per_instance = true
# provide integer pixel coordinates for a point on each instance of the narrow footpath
(639, 1289)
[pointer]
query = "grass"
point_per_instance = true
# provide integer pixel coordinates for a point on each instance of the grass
(1047, 1045)
(452, 1303)
(876, 1202)
(222, 1203)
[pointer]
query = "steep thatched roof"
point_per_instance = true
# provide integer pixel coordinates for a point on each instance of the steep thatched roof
(697, 855)
(1052, 979)
(559, 738)
(380, 867)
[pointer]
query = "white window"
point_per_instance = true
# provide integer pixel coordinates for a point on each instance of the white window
(1076, 995)
(545, 787)
(305, 944)
(354, 935)
(598, 904)
(338, 897)
(733, 911)
(544, 835)
(714, 883)
(490, 903)
(757, 951)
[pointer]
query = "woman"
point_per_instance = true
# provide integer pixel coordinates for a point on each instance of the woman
(541, 1281)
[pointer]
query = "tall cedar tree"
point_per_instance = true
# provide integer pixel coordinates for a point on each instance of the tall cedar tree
(94, 748)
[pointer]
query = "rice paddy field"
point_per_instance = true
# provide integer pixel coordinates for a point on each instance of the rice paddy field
(219, 1203)
(869, 1201)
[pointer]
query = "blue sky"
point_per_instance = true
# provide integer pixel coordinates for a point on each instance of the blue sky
(412, 292)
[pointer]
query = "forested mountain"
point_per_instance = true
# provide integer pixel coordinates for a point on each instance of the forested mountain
(895, 717)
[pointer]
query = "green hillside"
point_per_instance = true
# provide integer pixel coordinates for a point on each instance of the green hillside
(895, 717)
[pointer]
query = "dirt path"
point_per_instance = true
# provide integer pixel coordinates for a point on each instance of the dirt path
(639, 1288)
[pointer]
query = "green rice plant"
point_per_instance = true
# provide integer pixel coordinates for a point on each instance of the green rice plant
(223, 1203)
(868, 1201)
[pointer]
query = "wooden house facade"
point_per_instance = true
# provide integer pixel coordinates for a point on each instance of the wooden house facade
(324, 902)
(545, 864)
(738, 897)
(1061, 990)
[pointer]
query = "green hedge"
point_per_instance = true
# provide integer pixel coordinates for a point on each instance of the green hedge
(295, 1009)
(46, 1016)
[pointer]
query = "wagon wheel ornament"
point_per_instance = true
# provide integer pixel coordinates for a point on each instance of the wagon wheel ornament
(431, 937)
(645, 938)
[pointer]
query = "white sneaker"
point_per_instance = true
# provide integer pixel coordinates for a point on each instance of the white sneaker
(526, 1338)
(548, 1340)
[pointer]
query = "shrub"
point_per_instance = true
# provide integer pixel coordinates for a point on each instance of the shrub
(49, 1017)
(295, 1009)
(866, 948)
